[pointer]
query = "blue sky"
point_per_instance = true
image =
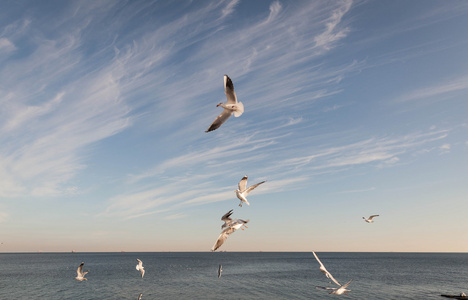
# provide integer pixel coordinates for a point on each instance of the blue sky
(352, 108)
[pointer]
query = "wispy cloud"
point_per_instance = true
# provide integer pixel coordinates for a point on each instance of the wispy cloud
(332, 32)
(445, 148)
(374, 150)
(439, 90)
(45, 128)
(6, 45)
(229, 9)
(205, 177)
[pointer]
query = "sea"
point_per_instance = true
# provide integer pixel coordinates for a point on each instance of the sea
(246, 275)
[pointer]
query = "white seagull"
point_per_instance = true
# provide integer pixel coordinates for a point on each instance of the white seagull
(80, 275)
(227, 219)
(220, 270)
(243, 191)
(236, 224)
(324, 270)
(369, 220)
(140, 268)
(336, 291)
(230, 107)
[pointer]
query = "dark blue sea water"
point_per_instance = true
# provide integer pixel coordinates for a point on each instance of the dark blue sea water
(246, 275)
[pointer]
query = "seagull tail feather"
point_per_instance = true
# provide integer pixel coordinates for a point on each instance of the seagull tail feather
(240, 110)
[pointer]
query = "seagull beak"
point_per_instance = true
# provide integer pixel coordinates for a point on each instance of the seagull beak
(218, 105)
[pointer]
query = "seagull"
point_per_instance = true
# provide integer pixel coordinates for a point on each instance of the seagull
(230, 107)
(140, 268)
(242, 192)
(324, 270)
(236, 224)
(80, 274)
(369, 220)
(139, 297)
(336, 291)
(227, 219)
(220, 270)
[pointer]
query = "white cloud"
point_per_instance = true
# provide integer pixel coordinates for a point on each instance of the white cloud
(6, 45)
(332, 108)
(172, 184)
(445, 148)
(441, 89)
(275, 9)
(229, 9)
(45, 128)
(333, 32)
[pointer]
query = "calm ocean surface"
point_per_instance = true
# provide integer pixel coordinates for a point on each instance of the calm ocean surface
(246, 275)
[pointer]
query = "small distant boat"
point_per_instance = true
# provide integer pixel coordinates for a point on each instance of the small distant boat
(73, 251)
(455, 296)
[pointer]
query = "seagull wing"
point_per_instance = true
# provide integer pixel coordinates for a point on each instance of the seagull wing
(220, 120)
(79, 271)
(322, 267)
(371, 217)
(229, 90)
(240, 221)
(252, 187)
(243, 184)
(346, 285)
(227, 216)
(324, 288)
(333, 279)
(221, 239)
(316, 257)
(140, 265)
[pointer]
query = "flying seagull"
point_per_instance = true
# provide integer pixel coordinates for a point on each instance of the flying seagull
(227, 219)
(236, 224)
(242, 191)
(324, 270)
(336, 291)
(80, 275)
(140, 267)
(369, 220)
(220, 270)
(230, 107)
(139, 297)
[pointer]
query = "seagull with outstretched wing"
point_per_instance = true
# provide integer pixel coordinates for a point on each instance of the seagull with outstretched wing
(325, 271)
(140, 268)
(369, 220)
(230, 107)
(80, 275)
(336, 291)
(236, 224)
(243, 191)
